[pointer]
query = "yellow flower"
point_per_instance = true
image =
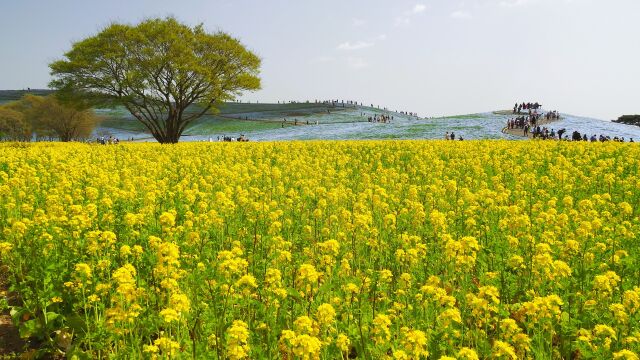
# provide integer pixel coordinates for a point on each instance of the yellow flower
(386, 276)
(343, 343)
(400, 355)
(602, 330)
(168, 219)
(125, 250)
(516, 262)
(467, 354)
(166, 345)
(606, 283)
(237, 340)
(169, 315)
(5, 247)
(626, 355)
(84, 270)
(137, 250)
(325, 314)
(449, 316)
(619, 313)
(307, 347)
(502, 349)
(150, 349)
(380, 331)
(414, 343)
(462, 251)
(304, 325)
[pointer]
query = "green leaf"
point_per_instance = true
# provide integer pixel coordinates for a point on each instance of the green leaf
(30, 328)
(77, 323)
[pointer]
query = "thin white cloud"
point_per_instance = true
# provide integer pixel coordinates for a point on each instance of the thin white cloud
(355, 46)
(405, 18)
(356, 63)
(461, 15)
(381, 37)
(419, 8)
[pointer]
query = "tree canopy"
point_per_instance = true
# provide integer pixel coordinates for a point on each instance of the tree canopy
(13, 126)
(157, 70)
(48, 117)
(51, 118)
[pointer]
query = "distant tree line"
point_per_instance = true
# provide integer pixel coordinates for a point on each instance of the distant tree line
(629, 119)
(46, 117)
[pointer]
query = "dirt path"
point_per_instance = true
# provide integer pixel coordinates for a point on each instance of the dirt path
(10, 342)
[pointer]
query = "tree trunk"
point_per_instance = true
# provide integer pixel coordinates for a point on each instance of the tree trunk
(167, 131)
(172, 128)
(169, 138)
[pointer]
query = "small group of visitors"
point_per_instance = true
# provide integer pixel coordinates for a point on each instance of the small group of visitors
(452, 136)
(108, 141)
(550, 134)
(517, 108)
(545, 134)
(552, 115)
(343, 103)
(380, 118)
(600, 138)
(225, 138)
(296, 123)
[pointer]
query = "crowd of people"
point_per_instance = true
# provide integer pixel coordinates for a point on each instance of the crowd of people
(531, 119)
(522, 122)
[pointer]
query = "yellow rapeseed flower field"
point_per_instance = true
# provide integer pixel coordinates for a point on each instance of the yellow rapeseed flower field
(324, 250)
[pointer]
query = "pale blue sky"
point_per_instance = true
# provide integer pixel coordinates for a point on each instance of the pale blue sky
(436, 57)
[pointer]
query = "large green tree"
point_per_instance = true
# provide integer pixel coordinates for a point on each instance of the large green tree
(157, 70)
